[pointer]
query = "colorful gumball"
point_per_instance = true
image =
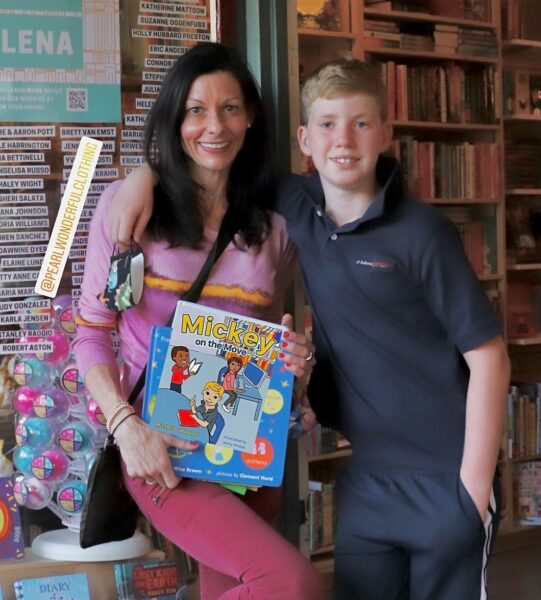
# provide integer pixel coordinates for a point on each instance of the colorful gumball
(71, 496)
(23, 457)
(63, 313)
(61, 349)
(76, 437)
(23, 400)
(51, 465)
(31, 492)
(34, 432)
(95, 414)
(32, 372)
(52, 403)
(71, 380)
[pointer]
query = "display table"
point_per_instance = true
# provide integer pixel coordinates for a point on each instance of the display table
(101, 579)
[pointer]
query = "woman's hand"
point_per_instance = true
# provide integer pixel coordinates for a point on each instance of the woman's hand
(297, 351)
(144, 452)
(131, 207)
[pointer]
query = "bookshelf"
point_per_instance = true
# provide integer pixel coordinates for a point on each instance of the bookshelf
(460, 52)
(521, 91)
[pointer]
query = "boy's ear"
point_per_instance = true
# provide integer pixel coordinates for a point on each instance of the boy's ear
(302, 137)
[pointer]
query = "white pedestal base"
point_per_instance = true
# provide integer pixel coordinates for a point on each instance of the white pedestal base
(63, 544)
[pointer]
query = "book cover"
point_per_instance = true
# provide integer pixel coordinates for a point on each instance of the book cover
(145, 579)
(527, 492)
(59, 587)
(217, 378)
(11, 533)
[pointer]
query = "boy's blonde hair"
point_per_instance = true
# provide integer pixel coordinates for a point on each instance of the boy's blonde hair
(341, 77)
(215, 387)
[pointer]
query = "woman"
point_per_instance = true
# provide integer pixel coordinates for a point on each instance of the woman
(204, 141)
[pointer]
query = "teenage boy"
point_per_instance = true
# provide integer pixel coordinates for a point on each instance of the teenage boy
(409, 352)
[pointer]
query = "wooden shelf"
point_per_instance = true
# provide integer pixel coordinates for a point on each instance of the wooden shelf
(523, 192)
(520, 459)
(323, 550)
(460, 201)
(342, 453)
(431, 55)
(322, 33)
(522, 119)
(446, 126)
(525, 267)
(519, 44)
(395, 15)
(490, 277)
(531, 341)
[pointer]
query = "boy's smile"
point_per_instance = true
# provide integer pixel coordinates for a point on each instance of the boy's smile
(344, 137)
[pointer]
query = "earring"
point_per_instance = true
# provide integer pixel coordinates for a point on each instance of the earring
(249, 125)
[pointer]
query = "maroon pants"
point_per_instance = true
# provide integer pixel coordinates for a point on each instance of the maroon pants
(240, 555)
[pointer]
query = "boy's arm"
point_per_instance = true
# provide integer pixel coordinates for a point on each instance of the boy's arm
(485, 413)
(132, 205)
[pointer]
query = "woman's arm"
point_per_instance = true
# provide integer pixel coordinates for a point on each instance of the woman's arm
(132, 205)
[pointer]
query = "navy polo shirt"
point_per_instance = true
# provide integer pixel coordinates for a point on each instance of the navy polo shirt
(395, 305)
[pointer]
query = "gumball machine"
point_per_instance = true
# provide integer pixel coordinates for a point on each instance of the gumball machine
(58, 430)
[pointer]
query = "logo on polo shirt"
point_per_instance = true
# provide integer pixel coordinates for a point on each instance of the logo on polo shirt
(379, 265)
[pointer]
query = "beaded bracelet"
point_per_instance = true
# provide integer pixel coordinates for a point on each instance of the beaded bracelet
(132, 414)
(119, 406)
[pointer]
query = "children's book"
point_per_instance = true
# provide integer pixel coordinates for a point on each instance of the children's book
(216, 378)
(11, 534)
(58, 587)
(157, 579)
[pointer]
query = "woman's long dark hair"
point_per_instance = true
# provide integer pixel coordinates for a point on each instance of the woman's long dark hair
(177, 217)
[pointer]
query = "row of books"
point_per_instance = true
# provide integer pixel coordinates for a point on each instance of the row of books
(521, 19)
(524, 419)
(527, 493)
(324, 440)
(460, 9)
(522, 164)
(187, 566)
(449, 170)
(447, 93)
(159, 579)
(476, 228)
(521, 92)
(321, 514)
(443, 38)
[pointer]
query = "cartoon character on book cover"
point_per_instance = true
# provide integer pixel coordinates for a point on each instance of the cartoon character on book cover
(11, 535)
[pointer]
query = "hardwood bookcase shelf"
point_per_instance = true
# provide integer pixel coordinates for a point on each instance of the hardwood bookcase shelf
(494, 127)
(529, 341)
(520, 459)
(395, 15)
(525, 267)
(523, 192)
(319, 33)
(520, 44)
(341, 453)
(431, 55)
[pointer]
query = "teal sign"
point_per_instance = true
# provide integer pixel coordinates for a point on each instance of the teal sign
(46, 74)
(38, 34)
